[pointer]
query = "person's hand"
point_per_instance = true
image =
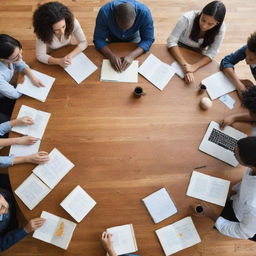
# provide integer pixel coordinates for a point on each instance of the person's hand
(106, 240)
(189, 68)
(26, 140)
(126, 62)
(189, 78)
(64, 62)
(36, 82)
(116, 63)
(34, 224)
(38, 158)
(4, 206)
(229, 120)
(26, 120)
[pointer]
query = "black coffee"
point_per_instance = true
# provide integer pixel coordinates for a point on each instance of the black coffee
(199, 209)
(138, 90)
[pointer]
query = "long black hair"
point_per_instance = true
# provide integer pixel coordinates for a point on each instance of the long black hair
(47, 15)
(215, 9)
(8, 45)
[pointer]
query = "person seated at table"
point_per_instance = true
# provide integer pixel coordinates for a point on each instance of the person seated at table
(6, 161)
(107, 243)
(10, 232)
(247, 53)
(55, 26)
(238, 218)
(200, 31)
(123, 21)
(10, 62)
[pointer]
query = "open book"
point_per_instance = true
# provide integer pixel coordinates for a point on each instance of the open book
(80, 68)
(25, 150)
(39, 93)
(78, 203)
(208, 188)
(123, 239)
(43, 179)
(178, 236)
(56, 230)
(130, 75)
(40, 121)
(156, 71)
(159, 205)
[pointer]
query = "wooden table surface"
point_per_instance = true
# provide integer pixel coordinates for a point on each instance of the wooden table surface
(124, 149)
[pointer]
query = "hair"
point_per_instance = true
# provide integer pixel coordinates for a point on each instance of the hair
(251, 42)
(215, 9)
(47, 15)
(125, 13)
(8, 45)
(247, 150)
(249, 99)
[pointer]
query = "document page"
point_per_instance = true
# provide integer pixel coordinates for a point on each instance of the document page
(39, 93)
(178, 70)
(24, 150)
(80, 68)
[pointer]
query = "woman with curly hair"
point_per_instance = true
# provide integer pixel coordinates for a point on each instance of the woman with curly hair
(55, 26)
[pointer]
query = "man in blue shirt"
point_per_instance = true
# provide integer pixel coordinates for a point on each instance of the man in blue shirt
(247, 52)
(123, 21)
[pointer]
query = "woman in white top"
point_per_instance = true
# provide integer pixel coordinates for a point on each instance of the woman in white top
(55, 27)
(203, 31)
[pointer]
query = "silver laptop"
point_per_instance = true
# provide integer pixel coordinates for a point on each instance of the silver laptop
(221, 143)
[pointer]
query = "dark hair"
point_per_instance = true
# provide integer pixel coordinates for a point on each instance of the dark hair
(249, 99)
(251, 42)
(8, 45)
(125, 13)
(247, 150)
(215, 9)
(47, 15)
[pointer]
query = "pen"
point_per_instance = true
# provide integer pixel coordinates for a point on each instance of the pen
(199, 167)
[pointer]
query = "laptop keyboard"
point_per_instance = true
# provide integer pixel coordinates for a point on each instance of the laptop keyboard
(223, 140)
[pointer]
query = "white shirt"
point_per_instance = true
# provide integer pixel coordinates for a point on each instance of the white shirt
(244, 206)
(182, 30)
(78, 35)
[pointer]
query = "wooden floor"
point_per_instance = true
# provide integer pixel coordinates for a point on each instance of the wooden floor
(15, 19)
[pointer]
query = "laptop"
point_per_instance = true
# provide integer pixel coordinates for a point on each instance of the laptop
(221, 143)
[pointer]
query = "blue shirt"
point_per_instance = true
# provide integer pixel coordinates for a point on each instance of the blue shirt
(232, 59)
(6, 74)
(106, 26)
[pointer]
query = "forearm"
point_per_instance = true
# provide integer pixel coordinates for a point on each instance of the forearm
(54, 61)
(106, 52)
(111, 253)
(137, 52)
(21, 160)
(74, 52)
(8, 142)
(202, 62)
(230, 73)
(175, 52)
(242, 117)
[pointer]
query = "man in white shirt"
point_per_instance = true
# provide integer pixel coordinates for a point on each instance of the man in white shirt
(238, 218)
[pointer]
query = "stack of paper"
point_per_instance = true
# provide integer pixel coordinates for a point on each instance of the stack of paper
(56, 230)
(156, 71)
(160, 205)
(130, 75)
(25, 150)
(78, 203)
(208, 188)
(43, 179)
(80, 68)
(178, 236)
(39, 93)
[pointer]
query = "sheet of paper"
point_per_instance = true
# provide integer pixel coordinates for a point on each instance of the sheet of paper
(78, 203)
(160, 205)
(24, 150)
(130, 75)
(39, 93)
(217, 85)
(32, 191)
(228, 101)
(156, 71)
(178, 70)
(80, 68)
(54, 170)
(208, 188)
(40, 122)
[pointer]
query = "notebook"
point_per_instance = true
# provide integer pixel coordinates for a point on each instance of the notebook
(25, 150)
(108, 74)
(78, 203)
(123, 238)
(178, 70)
(80, 68)
(40, 122)
(159, 205)
(39, 93)
(217, 85)
(56, 230)
(156, 71)
(178, 236)
(210, 189)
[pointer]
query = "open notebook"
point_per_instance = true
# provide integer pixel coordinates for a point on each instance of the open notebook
(78, 203)
(178, 70)
(43, 179)
(40, 122)
(39, 93)
(56, 230)
(208, 188)
(178, 236)
(159, 205)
